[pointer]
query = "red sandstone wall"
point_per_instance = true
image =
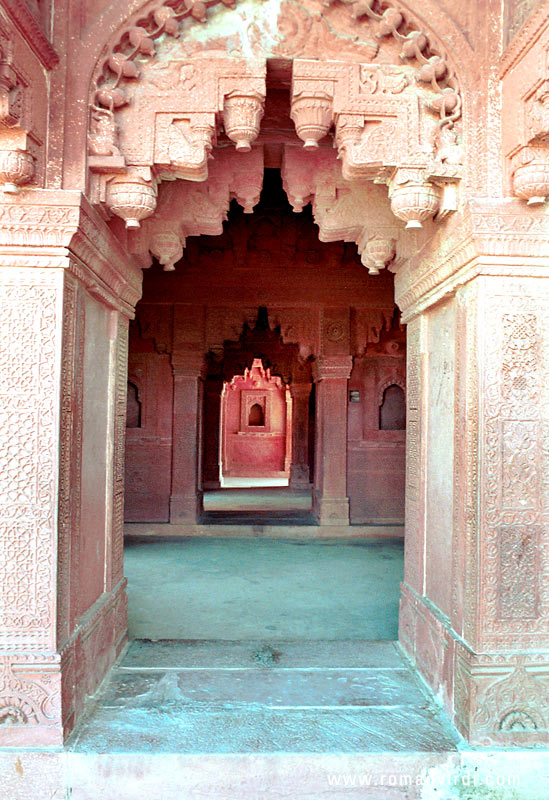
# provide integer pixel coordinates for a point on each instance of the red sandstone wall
(376, 458)
(149, 446)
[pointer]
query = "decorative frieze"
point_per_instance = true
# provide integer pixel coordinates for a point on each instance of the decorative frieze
(49, 219)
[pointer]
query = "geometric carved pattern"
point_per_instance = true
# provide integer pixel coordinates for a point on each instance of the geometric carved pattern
(28, 456)
(18, 554)
(520, 383)
(413, 546)
(121, 371)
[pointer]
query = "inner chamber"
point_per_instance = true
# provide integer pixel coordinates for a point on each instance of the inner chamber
(280, 297)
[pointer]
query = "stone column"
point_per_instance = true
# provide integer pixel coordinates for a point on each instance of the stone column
(330, 501)
(64, 308)
(213, 388)
(186, 494)
(299, 470)
(475, 597)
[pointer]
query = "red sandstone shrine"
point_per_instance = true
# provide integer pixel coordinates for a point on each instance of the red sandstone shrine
(291, 244)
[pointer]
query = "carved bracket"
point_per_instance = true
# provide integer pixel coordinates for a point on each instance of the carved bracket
(180, 107)
(528, 160)
(352, 211)
(530, 171)
(379, 129)
(16, 162)
(191, 209)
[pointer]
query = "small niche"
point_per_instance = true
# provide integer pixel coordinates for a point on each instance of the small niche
(256, 417)
(392, 411)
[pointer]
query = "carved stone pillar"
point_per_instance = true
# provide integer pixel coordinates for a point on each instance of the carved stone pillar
(64, 307)
(475, 597)
(299, 470)
(330, 501)
(186, 495)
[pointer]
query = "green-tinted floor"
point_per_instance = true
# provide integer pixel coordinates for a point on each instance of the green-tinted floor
(251, 588)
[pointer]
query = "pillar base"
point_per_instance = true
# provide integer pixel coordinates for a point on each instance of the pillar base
(42, 695)
(299, 477)
(494, 698)
(185, 508)
(331, 510)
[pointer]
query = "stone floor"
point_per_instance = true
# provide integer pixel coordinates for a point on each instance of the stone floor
(265, 681)
(250, 588)
(264, 697)
(246, 483)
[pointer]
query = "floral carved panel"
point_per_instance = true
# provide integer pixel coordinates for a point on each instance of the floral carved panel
(29, 321)
(515, 573)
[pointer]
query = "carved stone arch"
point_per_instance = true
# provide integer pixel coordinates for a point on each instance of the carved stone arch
(135, 381)
(393, 380)
(298, 326)
(393, 17)
(366, 102)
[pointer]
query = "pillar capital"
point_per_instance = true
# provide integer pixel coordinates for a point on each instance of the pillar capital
(300, 390)
(188, 364)
(332, 368)
(59, 229)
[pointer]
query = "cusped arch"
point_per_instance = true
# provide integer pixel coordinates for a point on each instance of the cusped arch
(370, 103)
(393, 380)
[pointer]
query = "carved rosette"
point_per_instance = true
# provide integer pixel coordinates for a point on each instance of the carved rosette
(131, 198)
(312, 116)
(242, 114)
(16, 169)
(413, 199)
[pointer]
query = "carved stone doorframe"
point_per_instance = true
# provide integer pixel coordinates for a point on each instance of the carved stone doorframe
(471, 285)
(67, 290)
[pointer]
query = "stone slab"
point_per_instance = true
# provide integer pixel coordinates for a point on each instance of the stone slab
(195, 653)
(256, 729)
(270, 687)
